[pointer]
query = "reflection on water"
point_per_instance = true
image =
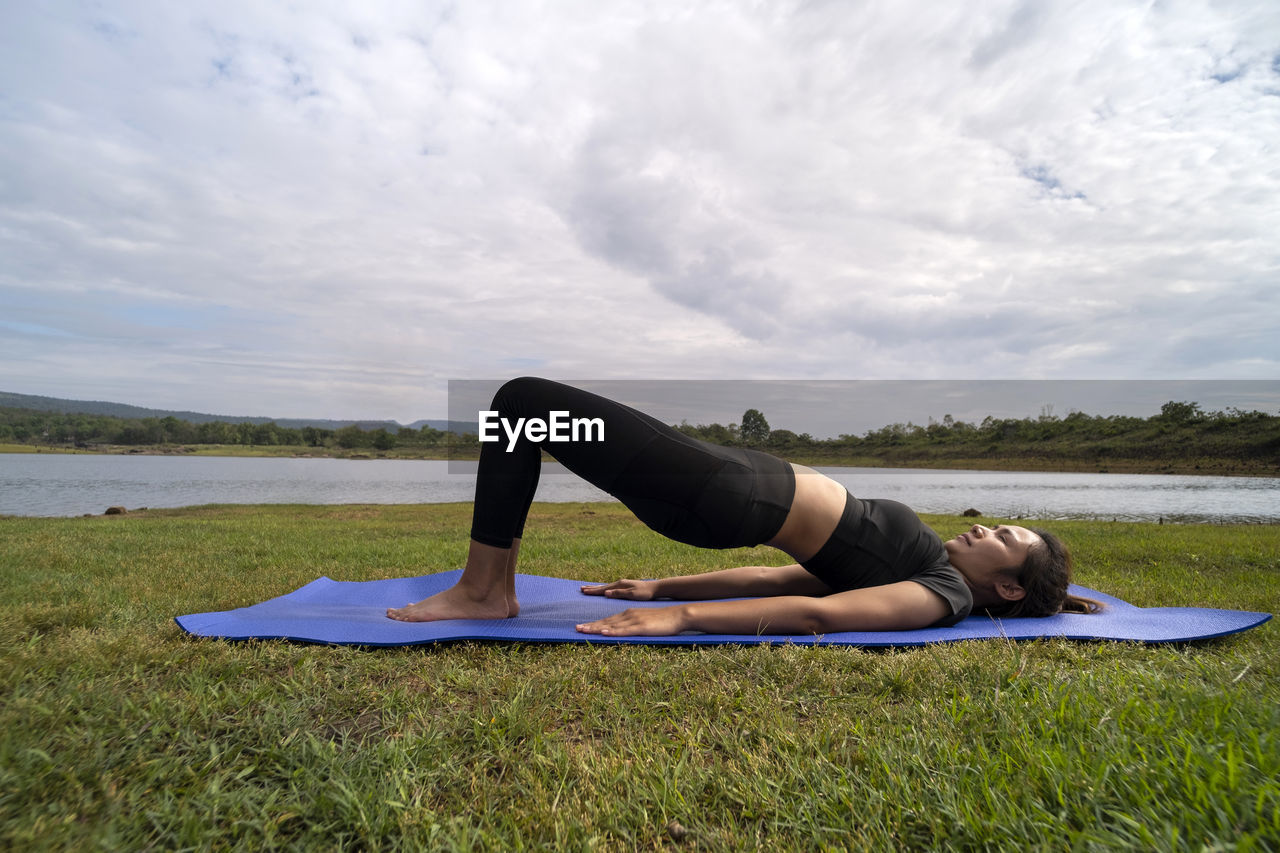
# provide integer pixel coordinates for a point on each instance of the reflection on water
(63, 485)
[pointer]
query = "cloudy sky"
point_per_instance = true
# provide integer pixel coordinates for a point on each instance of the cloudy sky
(331, 209)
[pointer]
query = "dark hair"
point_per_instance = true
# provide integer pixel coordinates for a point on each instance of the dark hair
(1045, 575)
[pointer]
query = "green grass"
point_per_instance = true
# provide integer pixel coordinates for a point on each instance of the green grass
(118, 731)
(10, 447)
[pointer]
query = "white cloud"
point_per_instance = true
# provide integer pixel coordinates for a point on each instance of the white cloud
(328, 210)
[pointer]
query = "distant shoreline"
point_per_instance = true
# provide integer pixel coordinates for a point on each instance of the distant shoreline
(1192, 467)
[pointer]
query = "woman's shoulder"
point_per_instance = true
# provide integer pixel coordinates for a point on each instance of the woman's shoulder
(946, 581)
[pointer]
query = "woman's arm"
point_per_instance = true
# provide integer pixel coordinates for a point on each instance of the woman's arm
(893, 607)
(741, 582)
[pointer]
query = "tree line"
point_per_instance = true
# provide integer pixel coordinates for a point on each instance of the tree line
(1181, 431)
(25, 426)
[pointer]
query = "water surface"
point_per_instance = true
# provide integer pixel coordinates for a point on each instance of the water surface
(68, 485)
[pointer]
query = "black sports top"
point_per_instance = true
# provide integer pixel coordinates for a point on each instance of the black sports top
(880, 542)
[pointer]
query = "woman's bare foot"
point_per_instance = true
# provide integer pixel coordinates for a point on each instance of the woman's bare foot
(486, 590)
(457, 602)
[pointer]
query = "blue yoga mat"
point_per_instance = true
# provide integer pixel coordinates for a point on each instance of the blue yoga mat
(353, 613)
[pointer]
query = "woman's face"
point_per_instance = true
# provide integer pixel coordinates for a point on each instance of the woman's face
(982, 553)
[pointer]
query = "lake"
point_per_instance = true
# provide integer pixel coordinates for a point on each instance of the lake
(70, 485)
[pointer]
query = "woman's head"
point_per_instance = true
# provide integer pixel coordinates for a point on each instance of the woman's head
(1016, 571)
(1044, 575)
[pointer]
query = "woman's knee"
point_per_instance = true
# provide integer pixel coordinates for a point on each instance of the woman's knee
(515, 394)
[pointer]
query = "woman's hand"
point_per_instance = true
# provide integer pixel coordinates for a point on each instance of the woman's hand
(639, 622)
(627, 589)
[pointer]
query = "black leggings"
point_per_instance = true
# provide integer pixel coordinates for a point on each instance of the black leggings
(688, 490)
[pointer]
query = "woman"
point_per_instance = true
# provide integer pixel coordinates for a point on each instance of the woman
(860, 564)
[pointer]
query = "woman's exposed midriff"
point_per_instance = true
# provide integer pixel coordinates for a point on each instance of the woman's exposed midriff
(815, 511)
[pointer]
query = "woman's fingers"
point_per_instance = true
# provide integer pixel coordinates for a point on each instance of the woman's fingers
(625, 588)
(619, 624)
(653, 622)
(604, 589)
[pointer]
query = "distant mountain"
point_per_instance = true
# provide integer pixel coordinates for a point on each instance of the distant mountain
(123, 410)
(448, 426)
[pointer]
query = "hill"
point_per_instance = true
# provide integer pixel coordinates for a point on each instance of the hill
(123, 410)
